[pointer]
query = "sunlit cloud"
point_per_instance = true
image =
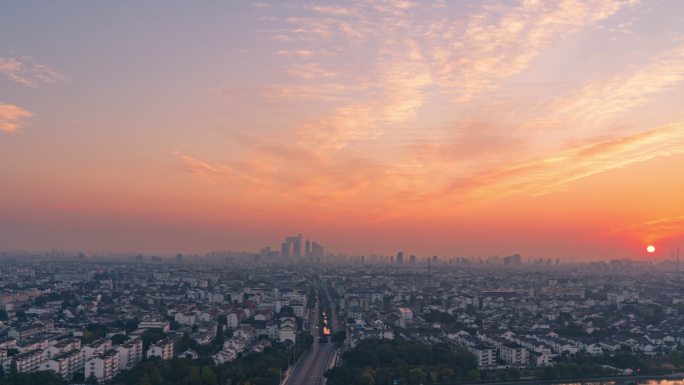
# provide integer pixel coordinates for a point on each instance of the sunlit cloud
(27, 72)
(11, 117)
(553, 171)
(654, 230)
(603, 99)
(187, 163)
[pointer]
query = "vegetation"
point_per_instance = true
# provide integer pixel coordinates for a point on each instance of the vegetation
(376, 361)
(151, 336)
(93, 332)
(253, 369)
(35, 378)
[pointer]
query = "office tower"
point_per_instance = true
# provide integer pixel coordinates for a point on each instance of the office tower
(400, 258)
(307, 249)
(412, 259)
(285, 250)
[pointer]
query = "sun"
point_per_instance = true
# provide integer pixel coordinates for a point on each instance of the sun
(650, 248)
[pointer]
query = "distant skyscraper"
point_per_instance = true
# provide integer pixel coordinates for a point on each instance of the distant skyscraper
(307, 249)
(297, 246)
(292, 247)
(400, 258)
(412, 259)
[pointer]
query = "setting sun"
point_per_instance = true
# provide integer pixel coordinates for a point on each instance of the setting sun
(650, 248)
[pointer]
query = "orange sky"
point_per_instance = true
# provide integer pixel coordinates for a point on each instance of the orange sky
(550, 129)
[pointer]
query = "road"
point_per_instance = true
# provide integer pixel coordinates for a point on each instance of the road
(311, 367)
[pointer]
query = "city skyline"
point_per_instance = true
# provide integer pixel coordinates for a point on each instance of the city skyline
(545, 129)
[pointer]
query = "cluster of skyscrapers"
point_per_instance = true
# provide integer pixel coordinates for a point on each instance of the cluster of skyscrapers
(292, 249)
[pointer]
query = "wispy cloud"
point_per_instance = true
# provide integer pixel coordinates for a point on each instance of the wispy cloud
(25, 71)
(11, 117)
(600, 100)
(654, 230)
(500, 42)
(397, 63)
(549, 173)
(187, 163)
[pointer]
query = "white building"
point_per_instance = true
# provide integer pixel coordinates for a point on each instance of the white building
(96, 348)
(28, 361)
(130, 353)
(153, 324)
(233, 320)
(64, 364)
(103, 366)
(225, 355)
(162, 349)
(189, 319)
(514, 354)
(485, 355)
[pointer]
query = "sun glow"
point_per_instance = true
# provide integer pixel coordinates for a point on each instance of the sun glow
(650, 248)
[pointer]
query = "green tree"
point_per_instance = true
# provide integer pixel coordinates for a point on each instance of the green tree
(367, 378)
(194, 377)
(417, 376)
(118, 339)
(35, 378)
(513, 373)
(91, 379)
(145, 379)
(208, 376)
(473, 375)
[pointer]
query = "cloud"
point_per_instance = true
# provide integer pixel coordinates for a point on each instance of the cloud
(27, 72)
(654, 230)
(552, 171)
(334, 10)
(187, 163)
(599, 100)
(11, 117)
(499, 42)
(373, 133)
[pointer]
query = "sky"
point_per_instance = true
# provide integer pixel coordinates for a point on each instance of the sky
(551, 129)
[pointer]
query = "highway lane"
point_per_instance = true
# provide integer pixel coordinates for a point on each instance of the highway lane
(311, 367)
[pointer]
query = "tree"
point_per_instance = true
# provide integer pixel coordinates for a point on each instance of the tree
(208, 376)
(339, 337)
(91, 379)
(118, 339)
(35, 378)
(220, 337)
(367, 379)
(513, 373)
(145, 379)
(473, 375)
(417, 376)
(93, 332)
(194, 377)
(151, 336)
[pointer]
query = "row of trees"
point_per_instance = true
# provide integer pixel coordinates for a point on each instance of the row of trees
(376, 361)
(35, 378)
(253, 369)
